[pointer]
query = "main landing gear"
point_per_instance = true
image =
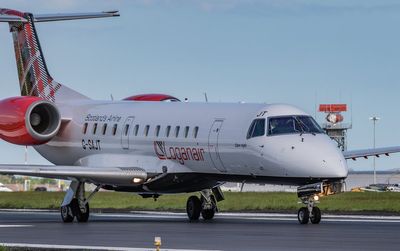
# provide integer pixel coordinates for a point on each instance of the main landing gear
(310, 194)
(206, 205)
(75, 205)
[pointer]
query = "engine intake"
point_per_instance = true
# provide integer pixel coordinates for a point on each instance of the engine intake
(28, 120)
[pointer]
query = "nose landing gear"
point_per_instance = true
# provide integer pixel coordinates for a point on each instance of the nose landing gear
(310, 194)
(310, 212)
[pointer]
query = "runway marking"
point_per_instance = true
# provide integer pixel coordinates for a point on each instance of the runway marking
(258, 216)
(225, 216)
(76, 247)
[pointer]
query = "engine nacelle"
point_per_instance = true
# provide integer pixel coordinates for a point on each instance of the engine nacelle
(28, 120)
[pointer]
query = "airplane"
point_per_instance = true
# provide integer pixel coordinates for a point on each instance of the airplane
(153, 144)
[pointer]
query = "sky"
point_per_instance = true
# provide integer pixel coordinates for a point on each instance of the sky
(301, 52)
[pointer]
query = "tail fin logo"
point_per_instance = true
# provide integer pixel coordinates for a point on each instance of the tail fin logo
(32, 71)
(34, 77)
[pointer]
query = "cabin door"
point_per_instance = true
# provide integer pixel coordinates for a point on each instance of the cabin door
(126, 132)
(213, 145)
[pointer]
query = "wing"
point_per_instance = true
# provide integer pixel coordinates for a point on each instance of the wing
(370, 152)
(96, 175)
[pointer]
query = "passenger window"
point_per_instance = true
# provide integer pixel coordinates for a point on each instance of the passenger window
(195, 132)
(114, 130)
(167, 131)
(104, 129)
(177, 131)
(186, 131)
(257, 128)
(157, 131)
(94, 128)
(126, 130)
(136, 130)
(146, 130)
(84, 129)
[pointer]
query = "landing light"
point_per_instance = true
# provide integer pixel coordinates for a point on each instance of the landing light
(137, 180)
(316, 198)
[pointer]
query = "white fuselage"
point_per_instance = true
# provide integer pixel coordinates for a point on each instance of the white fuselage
(203, 139)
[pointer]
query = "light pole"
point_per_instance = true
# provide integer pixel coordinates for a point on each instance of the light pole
(374, 120)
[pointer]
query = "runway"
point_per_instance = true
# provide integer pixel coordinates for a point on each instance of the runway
(228, 231)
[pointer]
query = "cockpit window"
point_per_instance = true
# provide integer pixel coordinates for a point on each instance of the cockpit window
(292, 124)
(309, 125)
(257, 128)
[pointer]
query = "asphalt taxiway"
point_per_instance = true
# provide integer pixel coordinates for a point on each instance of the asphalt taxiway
(228, 231)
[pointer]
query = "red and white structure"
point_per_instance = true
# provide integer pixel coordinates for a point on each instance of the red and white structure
(334, 123)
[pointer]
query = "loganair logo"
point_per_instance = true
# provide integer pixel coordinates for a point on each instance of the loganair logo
(181, 154)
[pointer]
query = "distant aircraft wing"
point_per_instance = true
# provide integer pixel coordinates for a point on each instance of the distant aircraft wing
(96, 175)
(370, 152)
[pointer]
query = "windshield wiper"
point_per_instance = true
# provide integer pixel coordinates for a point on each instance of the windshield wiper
(304, 127)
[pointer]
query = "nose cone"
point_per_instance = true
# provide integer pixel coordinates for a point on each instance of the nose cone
(333, 163)
(313, 156)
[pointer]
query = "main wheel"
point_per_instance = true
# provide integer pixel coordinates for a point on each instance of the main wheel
(193, 208)
(83, 216)
(66, 214)
(303, 215)
(208, 214)
(315, 215)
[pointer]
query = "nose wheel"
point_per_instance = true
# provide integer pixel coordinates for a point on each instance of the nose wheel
(310, 213)
(304, 216)
(315, 217)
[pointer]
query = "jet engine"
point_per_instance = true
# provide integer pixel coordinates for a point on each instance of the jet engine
(28, 120)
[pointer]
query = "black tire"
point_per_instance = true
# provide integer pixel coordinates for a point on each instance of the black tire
(83, 216)
(303, 215)
(193, 208)
(315, 216)
(208, 214)
(66, 214)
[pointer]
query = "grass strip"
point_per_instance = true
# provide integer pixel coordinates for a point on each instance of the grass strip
(245, 202)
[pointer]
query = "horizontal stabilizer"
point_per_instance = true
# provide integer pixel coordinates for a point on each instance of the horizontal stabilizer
(370, 152)
(74, 16)
(14, 16)
(8, 19)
